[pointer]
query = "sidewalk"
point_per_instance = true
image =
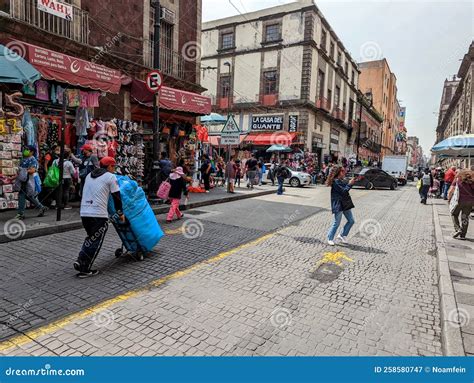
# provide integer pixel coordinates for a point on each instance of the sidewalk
(456, 282)
(32, 226)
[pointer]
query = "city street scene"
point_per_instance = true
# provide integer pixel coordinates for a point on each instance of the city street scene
(237, 178)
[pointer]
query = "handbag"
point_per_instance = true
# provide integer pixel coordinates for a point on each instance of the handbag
(453, 204)
(346, 203)
(164, 190)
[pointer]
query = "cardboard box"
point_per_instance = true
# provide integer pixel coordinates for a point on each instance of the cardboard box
(16, 138)
(16, 147)
(8, 146)
(6, 163)
(9, 196)
(12, 204)
(7, 188)
(5, 155)
(8, 172)
(3, 204)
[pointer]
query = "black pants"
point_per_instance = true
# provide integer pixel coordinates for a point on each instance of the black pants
(96, 228)
(64, 199)
(207, 184)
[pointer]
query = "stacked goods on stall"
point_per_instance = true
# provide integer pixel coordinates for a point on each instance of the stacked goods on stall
(10, 156)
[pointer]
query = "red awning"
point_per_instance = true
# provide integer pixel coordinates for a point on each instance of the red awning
(172, 99)
(275, 138)
(60, 67)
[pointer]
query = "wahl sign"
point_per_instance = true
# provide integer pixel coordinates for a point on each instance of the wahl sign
(56, 8)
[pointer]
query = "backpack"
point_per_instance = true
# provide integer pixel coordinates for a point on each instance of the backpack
(282, 171)
(426, 180)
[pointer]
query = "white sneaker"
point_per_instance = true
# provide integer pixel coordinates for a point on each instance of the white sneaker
(341, 238)
(331, 243)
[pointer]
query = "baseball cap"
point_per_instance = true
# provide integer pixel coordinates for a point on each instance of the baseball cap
(87, 147)
(107, 161)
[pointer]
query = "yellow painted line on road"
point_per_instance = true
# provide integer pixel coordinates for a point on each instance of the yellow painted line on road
(174, 231)
(30, 336)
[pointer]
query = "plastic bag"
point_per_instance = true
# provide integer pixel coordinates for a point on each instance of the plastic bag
(52, 178)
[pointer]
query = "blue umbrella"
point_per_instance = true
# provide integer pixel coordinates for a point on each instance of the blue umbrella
(279, 148)
(15, 69)
(213, 118)
(456, 146)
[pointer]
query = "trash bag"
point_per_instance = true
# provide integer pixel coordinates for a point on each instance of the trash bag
(52, 177)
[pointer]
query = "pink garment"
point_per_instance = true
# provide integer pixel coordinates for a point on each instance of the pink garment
(84, 99)
(42, 92)
(93, 99)
(174, 209)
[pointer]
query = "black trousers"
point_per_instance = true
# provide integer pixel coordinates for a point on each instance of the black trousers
(207, 184)
(96, 228)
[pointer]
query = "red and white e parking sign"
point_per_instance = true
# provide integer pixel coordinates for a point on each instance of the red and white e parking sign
(154, 81)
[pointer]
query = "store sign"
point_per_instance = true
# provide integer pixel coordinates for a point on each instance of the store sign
(267, 122)
(56, 8)
(292, 124)
(72, 70)
(230, 140)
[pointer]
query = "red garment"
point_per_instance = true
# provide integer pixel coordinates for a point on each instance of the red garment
(112, 148)
(449, 176)
(466, 192)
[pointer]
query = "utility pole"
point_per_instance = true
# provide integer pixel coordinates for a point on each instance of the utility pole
(153, 185)
(228, 64)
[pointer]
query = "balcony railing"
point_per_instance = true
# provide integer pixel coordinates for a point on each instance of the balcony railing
(171, 62)
(267, 99)
(339, 114)
(77, 29)
(323, 103)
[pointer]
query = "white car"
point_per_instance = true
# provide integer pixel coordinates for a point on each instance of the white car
(297, 178)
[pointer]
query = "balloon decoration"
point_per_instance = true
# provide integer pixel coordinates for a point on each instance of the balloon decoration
(11, 102)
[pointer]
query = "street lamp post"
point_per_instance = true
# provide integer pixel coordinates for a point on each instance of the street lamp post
(229, 87)
(153, 184)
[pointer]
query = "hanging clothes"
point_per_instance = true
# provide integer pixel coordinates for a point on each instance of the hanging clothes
(82, 122)
(84, 98)
(53, 133)
(53, 95)
(73, 97)
(42, 126)
(59, 94)
(42, 90)
(93, 99)
(29, 128)
(29, 89)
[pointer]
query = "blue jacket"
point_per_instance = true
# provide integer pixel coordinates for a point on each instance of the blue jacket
(339, 191)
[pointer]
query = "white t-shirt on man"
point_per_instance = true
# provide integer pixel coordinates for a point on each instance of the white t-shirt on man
(96, 193)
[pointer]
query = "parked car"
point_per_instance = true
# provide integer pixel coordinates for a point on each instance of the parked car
(297, 178)
(410, 174)
(374, 178)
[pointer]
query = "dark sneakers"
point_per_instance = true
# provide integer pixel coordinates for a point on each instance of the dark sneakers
(91, 273)
(43, 210)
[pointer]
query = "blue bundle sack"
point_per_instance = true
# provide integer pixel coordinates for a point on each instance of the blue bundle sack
(138, 212)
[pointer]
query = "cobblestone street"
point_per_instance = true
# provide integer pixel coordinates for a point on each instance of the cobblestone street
(256, 277)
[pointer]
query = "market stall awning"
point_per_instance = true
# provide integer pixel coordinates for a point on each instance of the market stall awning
(216, 140)
(172, 99)
(275, 138)
(71, 70)
(14, 69)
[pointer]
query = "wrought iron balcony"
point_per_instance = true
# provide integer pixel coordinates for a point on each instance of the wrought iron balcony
(76, 29)
(171, 62)
(323, 103)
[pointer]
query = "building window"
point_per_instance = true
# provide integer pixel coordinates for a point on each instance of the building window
(331, 50)
(320, 85)
(272, 33)
(167, 35)
(346, 69)
(270, 79)
(339, 59)
(337, 95)
(227, 40)
(224, 86)
(353, 77)
(344, 107)
(323, 40)
(329, 98)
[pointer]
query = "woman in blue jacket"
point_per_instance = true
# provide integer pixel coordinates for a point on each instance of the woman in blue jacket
(341, 203)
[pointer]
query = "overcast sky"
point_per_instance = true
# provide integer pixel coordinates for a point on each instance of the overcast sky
(422, 40)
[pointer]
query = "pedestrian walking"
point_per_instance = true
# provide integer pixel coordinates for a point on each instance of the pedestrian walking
(230, 172)
(206, 172)
(99, 185)
(261, 170)
(88, 162)
(271, 172)
(281, 172)
(68, 175)
(238, 172)
(178, 188)
(448, 180)
(341, 203)
(252, 165)
(165, 168)
(461, 198)
(426, 182)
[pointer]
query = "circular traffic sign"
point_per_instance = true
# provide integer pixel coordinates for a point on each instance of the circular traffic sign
(154, 81)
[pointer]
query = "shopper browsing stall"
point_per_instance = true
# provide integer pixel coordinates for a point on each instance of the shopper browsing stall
(178, 188)
(68, 176)
(88, 162)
